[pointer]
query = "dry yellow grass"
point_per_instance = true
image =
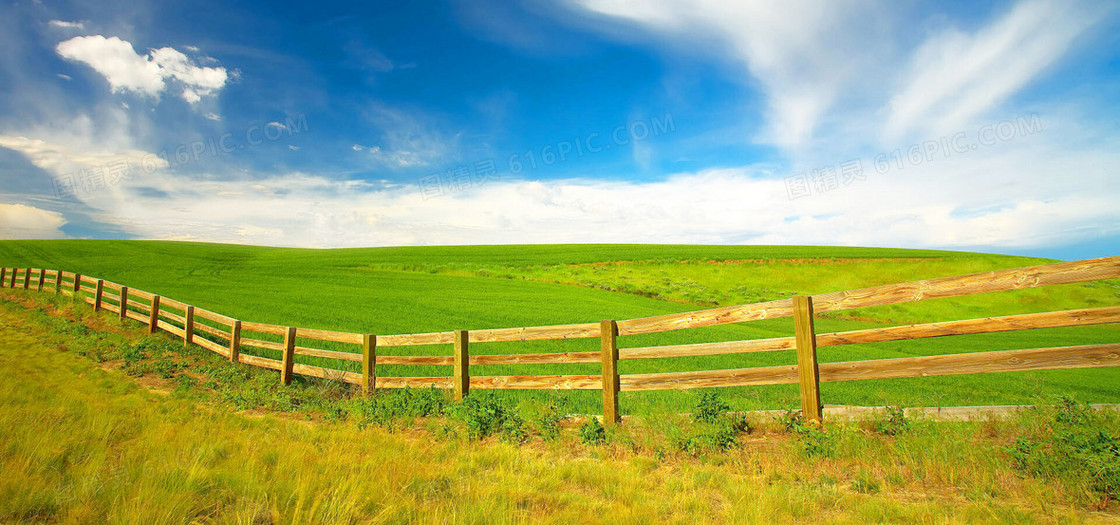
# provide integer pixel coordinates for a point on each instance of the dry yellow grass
(84, 444)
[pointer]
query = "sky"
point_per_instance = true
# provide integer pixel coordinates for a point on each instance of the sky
(979, 126)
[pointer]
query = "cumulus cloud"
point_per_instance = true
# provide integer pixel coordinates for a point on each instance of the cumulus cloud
(18, 221)
(149, 75)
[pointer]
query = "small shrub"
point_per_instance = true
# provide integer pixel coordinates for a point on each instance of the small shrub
(592, 432)
(547, 422)
(815, 441)
(388, 409)
(894, 423)
(710, 408)
(720, 436)
(513, 429)
(484, 414)
(1075, 444)
(790, 421)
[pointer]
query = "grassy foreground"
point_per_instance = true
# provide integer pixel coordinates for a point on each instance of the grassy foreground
(402, 290)
(83, 442)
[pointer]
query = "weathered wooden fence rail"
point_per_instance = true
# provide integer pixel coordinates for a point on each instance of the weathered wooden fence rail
(228, 337)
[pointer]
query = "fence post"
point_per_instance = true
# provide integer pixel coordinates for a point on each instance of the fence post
(609, 348)
(153, 316)
(289, 355)
(124, 303)
(15, 271)
(462, 380)
(807, 371)
(3, 276)
(77, 284)
(42, 276)
(26, 278)
(188, 326)
(97, 294)
(57, 282)
(369, 363)
(235, 342)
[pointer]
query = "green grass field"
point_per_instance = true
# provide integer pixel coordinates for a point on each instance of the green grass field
(402, 290)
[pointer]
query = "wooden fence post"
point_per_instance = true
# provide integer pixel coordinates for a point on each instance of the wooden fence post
(97, 294)
(807, 370)
(57, 282)
(153, 316)
(124, 303)
(609, 347)
(42, 276)
(3, 276)
(26, 278)
(235, 342)
(369, 363)
(14, 272)
(289, 356)
(462, 380)
(77, 284)
(188, 326)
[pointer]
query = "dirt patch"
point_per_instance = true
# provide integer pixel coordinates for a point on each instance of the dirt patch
(260, 413)
(155, 385)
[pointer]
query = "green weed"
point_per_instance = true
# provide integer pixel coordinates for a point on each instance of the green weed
(1074, 443)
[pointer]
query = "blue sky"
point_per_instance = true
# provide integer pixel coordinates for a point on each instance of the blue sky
(986, 126)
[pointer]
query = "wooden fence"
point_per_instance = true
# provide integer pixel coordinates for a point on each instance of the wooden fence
(228, 336)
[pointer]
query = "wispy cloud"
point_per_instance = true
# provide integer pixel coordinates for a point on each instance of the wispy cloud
(805, 55)
(408, 139)
(829, 71)
(956, 76)
(62, 24)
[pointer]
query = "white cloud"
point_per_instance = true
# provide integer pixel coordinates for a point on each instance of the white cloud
(830, 71)
(806, 59)
(988, 197)
(18, 221)
(399, 158)
(117, 61)
(62, 24)
(955, 76)
(212, 116)
(60, 159)
(409, 139)
(805, 54)
(127, 70)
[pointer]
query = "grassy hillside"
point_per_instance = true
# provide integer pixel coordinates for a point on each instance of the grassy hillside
(85, 443)
(400, 290)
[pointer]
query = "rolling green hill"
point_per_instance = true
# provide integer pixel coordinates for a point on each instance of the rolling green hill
(418, 289)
